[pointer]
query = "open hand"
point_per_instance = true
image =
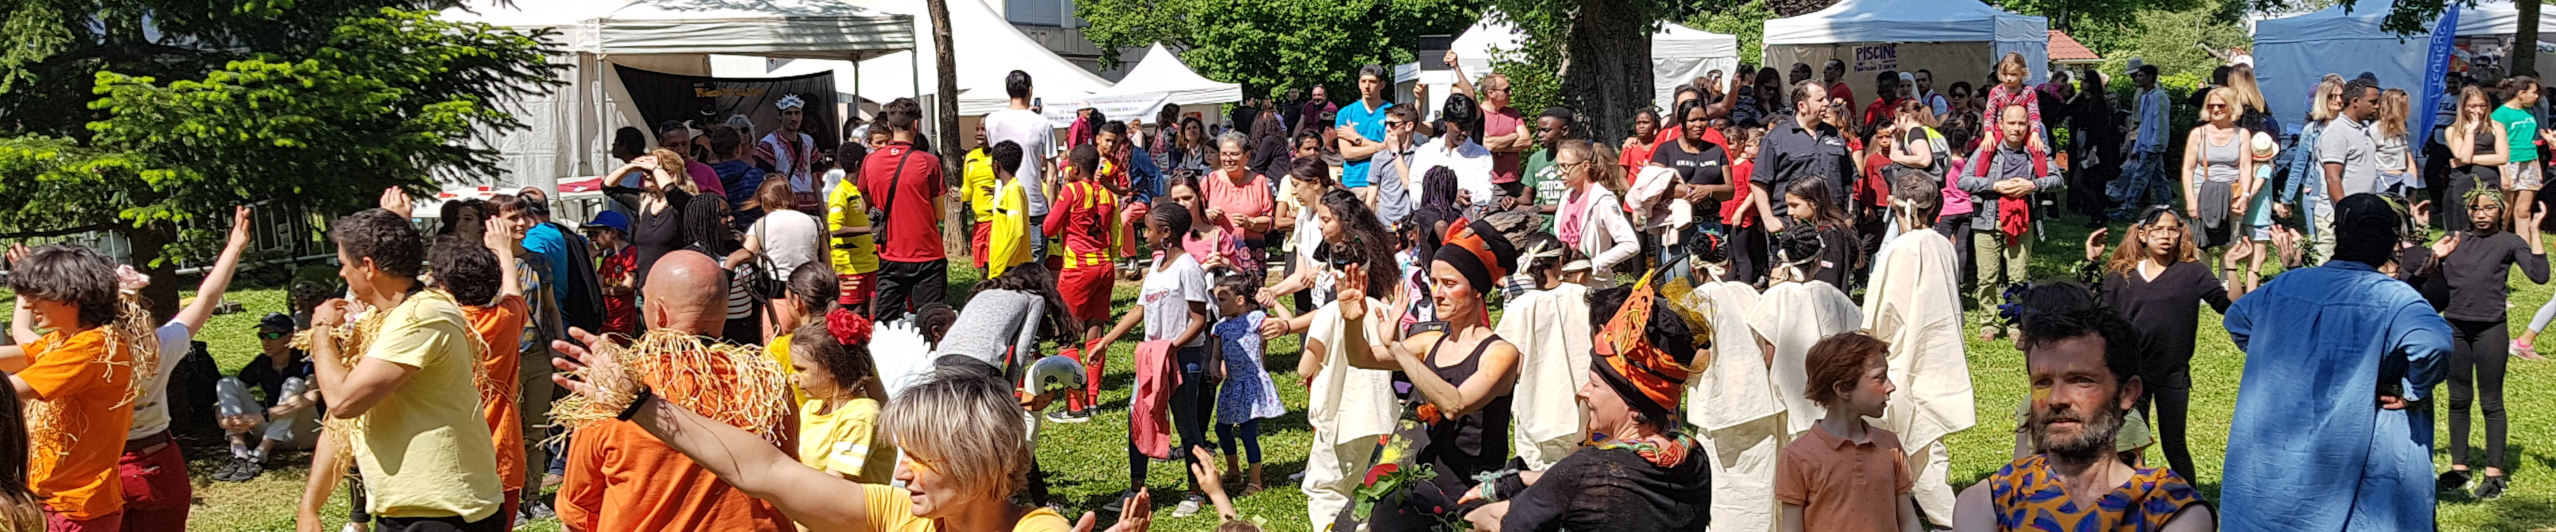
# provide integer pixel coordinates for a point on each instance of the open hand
(1138, 516)
(593, 373)
(396, 201)
(1353, 291)
(2094, 244)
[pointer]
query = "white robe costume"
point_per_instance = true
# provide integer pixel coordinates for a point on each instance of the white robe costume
(1349, 408)
(1551, 330)
(1914, 304)
(1732, 405)
(1791, 317)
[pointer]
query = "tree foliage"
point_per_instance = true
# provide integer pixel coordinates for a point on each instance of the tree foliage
(141, 113)
(375, 97)
(1744, 20)
(1273, 45)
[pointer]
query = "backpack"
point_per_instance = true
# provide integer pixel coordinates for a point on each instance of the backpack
(584, 307)
(192, 419)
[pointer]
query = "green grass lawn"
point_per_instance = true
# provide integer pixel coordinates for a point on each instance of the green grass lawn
(1086, 465)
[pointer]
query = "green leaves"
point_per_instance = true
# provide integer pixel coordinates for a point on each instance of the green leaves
(1269, 46)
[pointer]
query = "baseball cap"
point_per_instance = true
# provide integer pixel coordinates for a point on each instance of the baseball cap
(611, 220)
(276, 322)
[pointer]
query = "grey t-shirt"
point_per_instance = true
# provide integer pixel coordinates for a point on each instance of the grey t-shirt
(2348, 142)
(1167, 295)
(993, 321)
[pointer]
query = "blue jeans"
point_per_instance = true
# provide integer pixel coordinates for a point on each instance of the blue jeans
(2142, 183)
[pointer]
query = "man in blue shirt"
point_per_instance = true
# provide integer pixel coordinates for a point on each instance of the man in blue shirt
(2143, 180)
(1362, 131)
(2321, 439)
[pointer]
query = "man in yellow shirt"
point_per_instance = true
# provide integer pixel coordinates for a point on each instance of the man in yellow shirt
(1003, 230)
(853, 253)
(424, 451)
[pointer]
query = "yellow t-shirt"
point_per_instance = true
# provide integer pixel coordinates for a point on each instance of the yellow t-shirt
(779, 350)
(978, 181)
(892, 510)
(1007, 239)
(847, 208)
(845, 442)
(424, 451)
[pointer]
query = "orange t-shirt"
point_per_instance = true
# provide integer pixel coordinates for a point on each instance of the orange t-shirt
(68, 375)
(621, 478)
(502, 326)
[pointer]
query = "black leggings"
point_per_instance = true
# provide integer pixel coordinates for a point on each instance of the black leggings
(1191, 403)
(2478, 351)
(2172, 406)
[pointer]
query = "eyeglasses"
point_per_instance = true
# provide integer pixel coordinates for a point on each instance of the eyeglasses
(271, 335)
(2215, 106)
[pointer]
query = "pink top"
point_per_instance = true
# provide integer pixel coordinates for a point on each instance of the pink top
(1567, 226)
(1248, 200)
(705, 178)
(1217, 244)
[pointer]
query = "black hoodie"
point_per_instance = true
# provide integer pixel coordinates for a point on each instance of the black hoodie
(1612, 489)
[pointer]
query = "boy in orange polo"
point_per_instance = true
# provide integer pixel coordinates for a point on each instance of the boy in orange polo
(1845, 474)
(78, 382)
(492, 300)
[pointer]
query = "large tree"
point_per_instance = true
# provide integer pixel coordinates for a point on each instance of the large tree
(136, 115)
(1270, 46)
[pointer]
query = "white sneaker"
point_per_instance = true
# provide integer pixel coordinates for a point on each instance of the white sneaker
(1188, 507)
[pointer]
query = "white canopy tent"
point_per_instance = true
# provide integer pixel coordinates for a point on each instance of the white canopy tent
(569, 127)
(1678, 55)
(1954, 40)
(987, 49)
(1161, 79)
(2292, 53)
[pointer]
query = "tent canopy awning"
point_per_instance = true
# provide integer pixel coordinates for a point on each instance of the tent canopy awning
(808, 29)
(1906, 21)
(1161, 75)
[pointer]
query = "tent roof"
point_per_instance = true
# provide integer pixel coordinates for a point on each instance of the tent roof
(1161, 71)
(1475, 47)
(2065, 49)
(816, 29)
(1906, 21)
(528, 14)
(987, 49)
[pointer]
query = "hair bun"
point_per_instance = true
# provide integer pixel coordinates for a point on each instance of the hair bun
(847, 327)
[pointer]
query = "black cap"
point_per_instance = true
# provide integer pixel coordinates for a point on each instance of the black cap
(275, 321)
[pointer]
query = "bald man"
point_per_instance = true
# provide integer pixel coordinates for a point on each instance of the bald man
(619, 477)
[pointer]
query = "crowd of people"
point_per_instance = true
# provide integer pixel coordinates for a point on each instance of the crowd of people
(1748, 313)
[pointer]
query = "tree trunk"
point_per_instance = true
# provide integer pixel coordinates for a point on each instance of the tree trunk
(953, 236)
(2525, 41)
(1606, 70)
(148, 241)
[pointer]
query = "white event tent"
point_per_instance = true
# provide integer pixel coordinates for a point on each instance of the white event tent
(1678, 55)
(986, 47)
(569, 127)
(1157, 80)
(2292, 53)
(1954, 40)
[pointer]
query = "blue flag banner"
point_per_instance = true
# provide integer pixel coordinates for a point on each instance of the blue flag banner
(2436, 74)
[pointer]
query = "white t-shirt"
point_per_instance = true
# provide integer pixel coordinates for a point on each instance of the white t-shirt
(790, 238)
(1167, 295)
(151, 412)
(1470, 162)
(1034, 135)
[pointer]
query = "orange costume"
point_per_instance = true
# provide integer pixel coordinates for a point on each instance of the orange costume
(502, 327)
(77, 416)
(619, 477)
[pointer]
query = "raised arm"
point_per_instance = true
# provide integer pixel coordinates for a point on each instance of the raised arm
(217, 280)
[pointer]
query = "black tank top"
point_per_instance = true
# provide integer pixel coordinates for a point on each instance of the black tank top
(1478, 441)
(2490, 176)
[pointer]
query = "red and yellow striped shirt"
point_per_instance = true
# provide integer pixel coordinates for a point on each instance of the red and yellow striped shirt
(1084, 218)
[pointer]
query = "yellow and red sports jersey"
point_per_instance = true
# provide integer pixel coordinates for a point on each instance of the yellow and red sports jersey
(1084, 218)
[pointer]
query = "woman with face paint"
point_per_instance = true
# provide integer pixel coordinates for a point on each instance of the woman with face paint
(2155, 279)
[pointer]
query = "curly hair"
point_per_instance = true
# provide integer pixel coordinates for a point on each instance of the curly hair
(467, 270)
(1838, 362)
(69, 274)
(1363, 232)
(2125, 258)
(379, 236)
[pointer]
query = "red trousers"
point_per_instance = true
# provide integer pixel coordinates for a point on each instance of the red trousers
(156, 488)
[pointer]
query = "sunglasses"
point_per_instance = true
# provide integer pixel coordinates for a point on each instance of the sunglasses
(271, 335)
